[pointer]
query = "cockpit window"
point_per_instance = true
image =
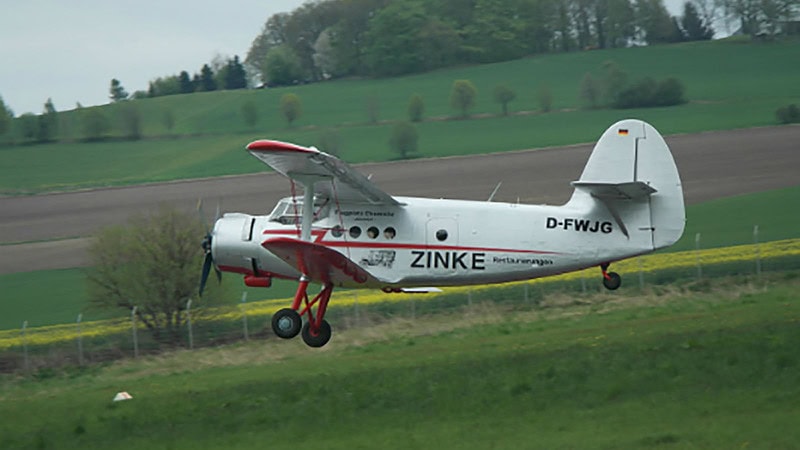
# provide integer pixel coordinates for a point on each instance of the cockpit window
(290, 212)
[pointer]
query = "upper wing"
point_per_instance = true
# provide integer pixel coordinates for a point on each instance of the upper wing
(296, 162)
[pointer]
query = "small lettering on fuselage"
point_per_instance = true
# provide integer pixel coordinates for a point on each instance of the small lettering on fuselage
(448, 260)
(586, 225)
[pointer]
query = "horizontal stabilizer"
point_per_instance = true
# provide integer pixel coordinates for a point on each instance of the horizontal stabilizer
(616, 191)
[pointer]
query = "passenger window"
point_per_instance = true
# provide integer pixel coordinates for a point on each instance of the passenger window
(355, 232)
(372, 232)
(337, 231)
(441, 235)
(389, 233)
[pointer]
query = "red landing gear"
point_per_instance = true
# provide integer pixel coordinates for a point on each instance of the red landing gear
(611, 280)
(287, 322)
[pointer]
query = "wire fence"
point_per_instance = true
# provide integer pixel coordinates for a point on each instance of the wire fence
(37, 351)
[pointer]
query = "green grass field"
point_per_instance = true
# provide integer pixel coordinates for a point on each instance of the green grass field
(730, 86)
(30, 296)
(710, 369)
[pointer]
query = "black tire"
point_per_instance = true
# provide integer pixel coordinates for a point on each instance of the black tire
(613, 281)
(321, 338)
(286, 323)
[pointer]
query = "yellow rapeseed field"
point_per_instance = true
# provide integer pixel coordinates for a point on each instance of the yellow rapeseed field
(60, 333)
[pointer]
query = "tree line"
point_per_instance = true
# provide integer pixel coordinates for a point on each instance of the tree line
(340, 38)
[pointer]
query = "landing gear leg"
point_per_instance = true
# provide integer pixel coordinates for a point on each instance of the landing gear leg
(611, 280)
(316, 332)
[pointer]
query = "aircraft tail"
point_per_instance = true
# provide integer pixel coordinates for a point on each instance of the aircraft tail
(632, 174)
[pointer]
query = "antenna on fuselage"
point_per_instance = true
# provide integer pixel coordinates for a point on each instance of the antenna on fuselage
(496, 188)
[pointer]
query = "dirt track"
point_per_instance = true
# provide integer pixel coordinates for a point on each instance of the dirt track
(712, 165)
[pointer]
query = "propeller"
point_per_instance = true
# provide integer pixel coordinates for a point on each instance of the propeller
(208, 262)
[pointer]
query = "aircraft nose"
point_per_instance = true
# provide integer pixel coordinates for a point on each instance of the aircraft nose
(231, 244)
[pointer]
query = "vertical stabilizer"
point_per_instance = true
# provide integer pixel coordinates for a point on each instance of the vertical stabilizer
(632, 173)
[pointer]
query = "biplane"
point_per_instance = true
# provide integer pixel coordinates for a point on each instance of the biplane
(344, 231)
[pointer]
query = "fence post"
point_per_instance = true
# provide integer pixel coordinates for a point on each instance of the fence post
(758, 251)
(135, 337)
(697, 255)
(641, 274)
(355, 308)
(80, 340)
(25, 346)
(244, 316)
(189, 323)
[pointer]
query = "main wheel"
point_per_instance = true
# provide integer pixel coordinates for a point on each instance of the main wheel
(318, 339)
(613, 281)
(286, 323)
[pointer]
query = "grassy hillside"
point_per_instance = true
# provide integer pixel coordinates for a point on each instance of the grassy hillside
(31, 296)
(730, 85)
(715, 369)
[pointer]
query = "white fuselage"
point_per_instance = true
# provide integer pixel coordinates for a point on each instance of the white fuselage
(437, 242)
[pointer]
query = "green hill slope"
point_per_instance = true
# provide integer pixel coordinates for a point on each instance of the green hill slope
(730, 85)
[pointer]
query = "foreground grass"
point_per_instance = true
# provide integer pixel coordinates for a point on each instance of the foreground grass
(714, 368)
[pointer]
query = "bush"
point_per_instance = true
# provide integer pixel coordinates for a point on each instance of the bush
(648, 93)
(788, 114)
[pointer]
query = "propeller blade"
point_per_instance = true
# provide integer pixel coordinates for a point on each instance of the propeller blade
(206, 270)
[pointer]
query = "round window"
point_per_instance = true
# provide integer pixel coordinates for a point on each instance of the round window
(441, 235)
(372, 232)
(389, 233)
(355, 232)
(337, 231)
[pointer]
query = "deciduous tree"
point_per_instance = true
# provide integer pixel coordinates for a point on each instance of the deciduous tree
(504, 95)
(152, 263)
(404, 139)
(462, 96)
(545, 98)
(250, 113)
(416, 108)
(330, 141)
(589, 92)
(28, 125)
(281, 67)
(168, 120)
(291, 108)
(130, 120)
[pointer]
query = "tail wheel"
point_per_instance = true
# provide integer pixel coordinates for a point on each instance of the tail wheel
(612, 281)
(286, 323)
(319, 337)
